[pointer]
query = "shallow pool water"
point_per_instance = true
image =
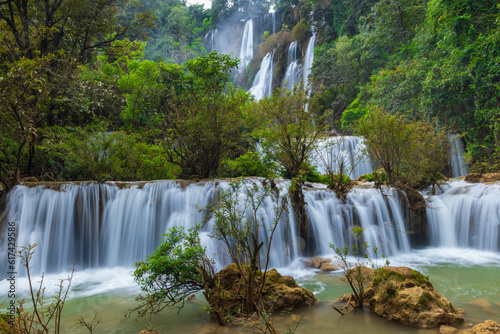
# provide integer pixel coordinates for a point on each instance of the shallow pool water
(462, 276)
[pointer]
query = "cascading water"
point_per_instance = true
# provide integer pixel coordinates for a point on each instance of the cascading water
(308, 60)
(292, 74)
(456, 156)
(466, 215)
(209, 40)
(263, 82)
(345, 151)
(108, 225)
(274, 22)
(380, 215)
(246, 48)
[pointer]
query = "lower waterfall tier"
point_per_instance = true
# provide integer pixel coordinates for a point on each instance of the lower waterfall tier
(96, 225)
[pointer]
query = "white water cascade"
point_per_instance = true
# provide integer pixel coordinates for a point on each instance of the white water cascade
(292, 73)
(263, 82)
(466, 215)
(107, 225)
(308, 60)
(209, 40)
(246, 48)
(456, 156)
(380, 216)
(346, 151)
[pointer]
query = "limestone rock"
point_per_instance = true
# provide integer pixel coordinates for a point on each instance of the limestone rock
(405, 295)
(447, 329)
(477, 177)
(487, 327)
(325, 266)
(279, 292)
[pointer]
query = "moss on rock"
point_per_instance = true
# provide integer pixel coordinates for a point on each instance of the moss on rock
(405, 295)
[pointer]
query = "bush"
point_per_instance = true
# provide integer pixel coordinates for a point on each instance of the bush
(248, 164)
(300, 31)
(92, 153)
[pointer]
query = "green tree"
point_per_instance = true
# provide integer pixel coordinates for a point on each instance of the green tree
(177, 268)
(291, 129)
(201, 113)
(412, 152)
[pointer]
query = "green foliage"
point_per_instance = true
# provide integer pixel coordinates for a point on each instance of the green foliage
(202, 114)
(409, 151)
(248, 164)
(176, 269)
(300, 31)
(290, 132)
(92, 153)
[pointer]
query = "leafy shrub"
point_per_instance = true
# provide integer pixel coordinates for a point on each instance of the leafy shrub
(248, 164)
(300, 31)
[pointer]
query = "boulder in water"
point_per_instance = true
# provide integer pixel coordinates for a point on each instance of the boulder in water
(405, 295)
(487, 327)
(279, 292)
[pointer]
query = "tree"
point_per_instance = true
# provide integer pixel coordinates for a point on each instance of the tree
(291, 129)
(177, 268)
(76, 27)
(289, 136)
(24, 94)
(413, 152)
(237, 225)
(201, 114)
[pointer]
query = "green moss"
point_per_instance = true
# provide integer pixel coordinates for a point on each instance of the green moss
(383, 275)
(419, 278)
(424, 299)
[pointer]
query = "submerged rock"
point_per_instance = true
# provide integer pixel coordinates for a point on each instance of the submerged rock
(481, 302)
(405, 295)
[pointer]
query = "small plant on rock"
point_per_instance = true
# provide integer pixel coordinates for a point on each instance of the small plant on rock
(357, 274)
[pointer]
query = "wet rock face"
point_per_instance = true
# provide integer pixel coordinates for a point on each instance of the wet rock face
(279, 292)
(405, 295)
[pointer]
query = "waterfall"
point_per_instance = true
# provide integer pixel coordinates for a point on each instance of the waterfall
(106, 225)
(263, 82)
(466, 215)
(456, 156)
(209, 40)
(246, 48)
(292, 73)
(308, 60)
(274, 22)
(379, 216)
(347, 151)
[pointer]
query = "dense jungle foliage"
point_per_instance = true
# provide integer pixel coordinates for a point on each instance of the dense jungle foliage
(123, 90)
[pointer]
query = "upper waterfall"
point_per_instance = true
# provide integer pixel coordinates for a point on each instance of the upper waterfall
(292, 73)
(308, 60)
(456, 156)
(263, 82)
(246, 48)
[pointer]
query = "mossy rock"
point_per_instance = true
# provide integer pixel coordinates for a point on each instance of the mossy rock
(405, 295)
(279, 293)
